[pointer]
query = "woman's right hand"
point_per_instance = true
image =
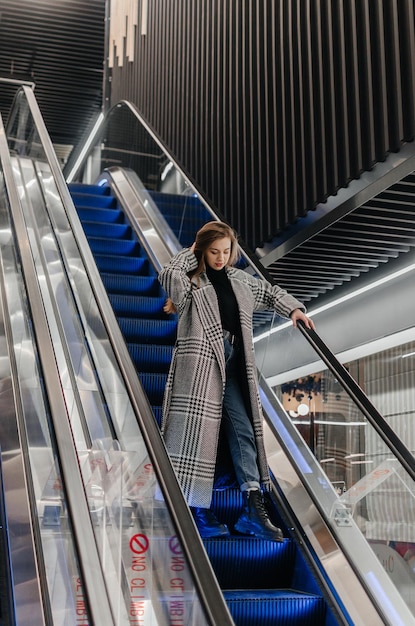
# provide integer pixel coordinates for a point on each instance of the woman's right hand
(169, 307)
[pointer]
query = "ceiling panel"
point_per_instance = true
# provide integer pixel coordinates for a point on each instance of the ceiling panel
(378, 231)
(59, 46)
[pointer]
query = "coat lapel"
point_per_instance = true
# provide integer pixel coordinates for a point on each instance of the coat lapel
(244, 299)
(207, 306)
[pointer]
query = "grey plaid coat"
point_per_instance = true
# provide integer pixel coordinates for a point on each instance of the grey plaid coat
(192, 407)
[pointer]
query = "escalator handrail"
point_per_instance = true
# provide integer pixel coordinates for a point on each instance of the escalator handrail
(384, 430)
(38, 608)
(206, 583)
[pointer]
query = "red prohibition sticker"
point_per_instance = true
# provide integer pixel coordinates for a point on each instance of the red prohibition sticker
(139, 544)
(175, 547)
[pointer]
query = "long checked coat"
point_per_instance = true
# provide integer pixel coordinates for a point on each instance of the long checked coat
(192, 407)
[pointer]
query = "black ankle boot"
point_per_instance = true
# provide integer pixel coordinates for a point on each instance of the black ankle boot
(255, 521)
(207, 524)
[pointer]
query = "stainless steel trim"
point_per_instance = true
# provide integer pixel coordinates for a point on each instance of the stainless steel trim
(343, 551)
(13, 466)
(94, 584)
(206, 583)
(155, 235)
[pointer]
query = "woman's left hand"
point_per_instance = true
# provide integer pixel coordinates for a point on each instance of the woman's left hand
(298, 314)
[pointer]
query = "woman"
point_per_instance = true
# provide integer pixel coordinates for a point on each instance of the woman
(212, 378)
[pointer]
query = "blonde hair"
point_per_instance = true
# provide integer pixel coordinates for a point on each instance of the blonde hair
(205, 236)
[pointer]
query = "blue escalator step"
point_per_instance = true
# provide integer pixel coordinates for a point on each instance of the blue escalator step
(174, 217)
(175, 206)
(184, 214)
(137, 306)
(228, 503)
(93, 200)
(148, 330)
(150, 358)
(135, 285)
(190, 225)
(92, 214)
(175, 222)
(114, 246)
(131, 265)
(277, 606)
(187, 231)
(154, 384)
(99, 190)
(102, 229)
(251, 563)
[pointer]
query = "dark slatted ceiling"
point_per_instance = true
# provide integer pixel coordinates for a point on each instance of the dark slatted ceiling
(380, 230)
(272, 106)
(60, 47)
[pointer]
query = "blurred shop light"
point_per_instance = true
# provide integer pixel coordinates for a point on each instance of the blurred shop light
(303, 409)
(368, 462)
(325, 422)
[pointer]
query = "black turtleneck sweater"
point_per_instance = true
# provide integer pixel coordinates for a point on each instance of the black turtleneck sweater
(228, 306)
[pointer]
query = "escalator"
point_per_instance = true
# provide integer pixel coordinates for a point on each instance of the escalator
(132, 286)
(325, 572)
(257, 576)
(88, 541)
(43, 532)
(346, 515)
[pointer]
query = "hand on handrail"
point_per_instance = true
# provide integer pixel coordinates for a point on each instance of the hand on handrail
(299, 316)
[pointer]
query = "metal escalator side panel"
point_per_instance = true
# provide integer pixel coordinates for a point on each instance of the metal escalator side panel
(139, 446)
(335, 536)
(50, 493)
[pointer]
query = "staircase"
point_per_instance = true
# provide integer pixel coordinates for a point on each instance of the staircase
(263, 582)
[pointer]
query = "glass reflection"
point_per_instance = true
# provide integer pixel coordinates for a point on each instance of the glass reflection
(368, 480)
(148, 577)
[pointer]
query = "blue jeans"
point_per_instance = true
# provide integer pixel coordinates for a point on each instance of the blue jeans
(237, 425)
